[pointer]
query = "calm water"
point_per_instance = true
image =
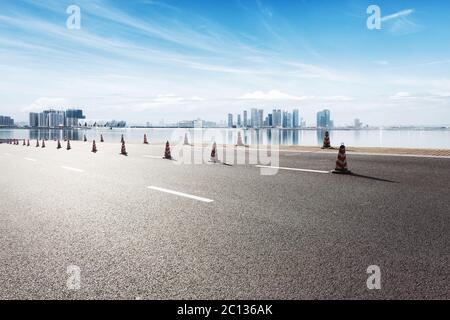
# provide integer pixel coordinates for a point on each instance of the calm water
(357, 138)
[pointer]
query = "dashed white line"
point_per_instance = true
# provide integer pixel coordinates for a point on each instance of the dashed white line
(294, 169)
(72, 169)
(30, 159)
(181, 194)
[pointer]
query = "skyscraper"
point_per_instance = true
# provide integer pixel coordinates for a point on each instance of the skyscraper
(295, 118)
(230, 120)
(239, 124)
(324, 119)
(276, 118)
(245, 119)
(260, 118)
(254, 118)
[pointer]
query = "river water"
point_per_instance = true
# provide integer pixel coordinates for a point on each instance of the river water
(357, 138)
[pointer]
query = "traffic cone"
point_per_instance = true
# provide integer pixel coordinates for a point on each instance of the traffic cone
(167, 154)
(186, 140)
(240, 143)
(43, 143)
(145, 139)
(28, 142)
(85, 139)
(94, 147)
(24, 143)
(37, 143)
(341, 162)
(122, 140)
(68, 145)
(214, 158)
(123, 151)
(326, 141)
(101, 138)
(59, 145)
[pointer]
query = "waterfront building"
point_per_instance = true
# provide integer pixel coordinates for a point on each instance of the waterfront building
(324, 119)
(6, 121)
(230, 120)
(295, 118)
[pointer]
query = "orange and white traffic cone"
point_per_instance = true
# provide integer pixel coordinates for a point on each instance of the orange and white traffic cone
(37, 143)
(101, 138)
(341, 162)
(123, 150)
(43, 143)
(122, 140)
(167, 153)
(326, 141)
(214, 157)
(68, 145)
(145, 139)
(94, 147)
(59, 145)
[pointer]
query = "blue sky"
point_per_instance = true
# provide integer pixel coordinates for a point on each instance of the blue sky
(147, 60)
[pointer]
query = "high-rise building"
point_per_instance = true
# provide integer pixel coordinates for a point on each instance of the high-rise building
(245, 119)
(260, 118)
(254, 118)
(270, 120)
(6, 121)
(295, 118)
(239, 124)
(276, 118)
(324, 119)
(230, 120)
(34, 119)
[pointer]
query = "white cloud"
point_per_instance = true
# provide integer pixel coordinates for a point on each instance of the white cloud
(270, 95)
(44, 103)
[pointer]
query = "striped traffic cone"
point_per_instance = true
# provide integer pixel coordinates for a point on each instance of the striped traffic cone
(28, 142)
(122, 140)
(101, 138)
(326, 141)
(123, 150)
(37, 143)
(85, 139)
(145, 139)
(214, 158)
(68, 145)
(59, 145)
(24, 142)
(341, 162)
(43, 143)
(94, 147)
(167, 154)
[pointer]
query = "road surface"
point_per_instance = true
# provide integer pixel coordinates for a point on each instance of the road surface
(140, 227)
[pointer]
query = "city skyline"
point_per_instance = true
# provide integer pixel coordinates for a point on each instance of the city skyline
(172, 60)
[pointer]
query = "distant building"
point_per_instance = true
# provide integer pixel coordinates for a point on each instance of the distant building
(270, 120)
(230, 120)
(260, 122)
(239, 124)
(254, 118)
(276, 118)
(295, 118)
(56, 118)
(245, 119)
(6, 121)
(358, 124)
(323, 119)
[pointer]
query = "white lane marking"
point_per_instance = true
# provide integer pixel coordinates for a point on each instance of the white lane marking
(30, 159)
(181, 194)
(152, 157)
(72, 169)
(294, 169)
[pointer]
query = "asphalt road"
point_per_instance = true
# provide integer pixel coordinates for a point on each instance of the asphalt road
(142, 227)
